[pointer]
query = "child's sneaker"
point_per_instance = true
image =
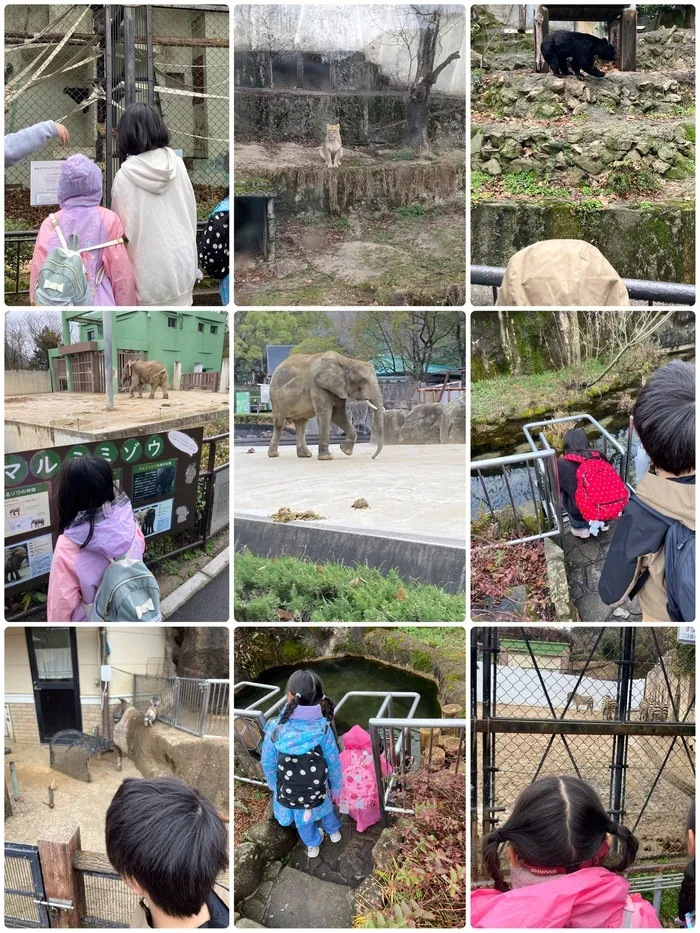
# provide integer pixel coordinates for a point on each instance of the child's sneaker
(336, 837)
(313, 851)
(580, 532)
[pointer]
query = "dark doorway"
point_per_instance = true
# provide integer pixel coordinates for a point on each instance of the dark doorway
(249, 224)
(317, 72)
(53, 661)
(284, 69)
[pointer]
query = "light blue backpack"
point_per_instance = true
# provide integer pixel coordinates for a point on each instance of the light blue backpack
(128, 592)
(62, 280)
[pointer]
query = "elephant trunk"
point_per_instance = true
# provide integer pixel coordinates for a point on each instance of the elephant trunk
(377, 422)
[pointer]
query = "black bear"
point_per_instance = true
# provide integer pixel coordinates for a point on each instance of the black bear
(580, 48)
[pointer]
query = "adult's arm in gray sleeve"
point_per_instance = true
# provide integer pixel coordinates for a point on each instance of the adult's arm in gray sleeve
(20, 144)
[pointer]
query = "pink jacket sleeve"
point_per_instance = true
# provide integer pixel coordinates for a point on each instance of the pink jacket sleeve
(40, 253)
(118, 267)
(64, 591)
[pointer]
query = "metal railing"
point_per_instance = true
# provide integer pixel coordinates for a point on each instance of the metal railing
(191, 704)
(676, 293)
(19, 249)
(546, 501)
(393, 784)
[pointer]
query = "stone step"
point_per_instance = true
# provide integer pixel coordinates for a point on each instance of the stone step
(575, 151)
(544, 96)
(298, 900)
(346, 862)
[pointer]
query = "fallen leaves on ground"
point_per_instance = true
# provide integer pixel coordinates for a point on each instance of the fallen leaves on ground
(496, 571)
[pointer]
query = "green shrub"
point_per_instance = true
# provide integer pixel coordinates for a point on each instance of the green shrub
(628, 181)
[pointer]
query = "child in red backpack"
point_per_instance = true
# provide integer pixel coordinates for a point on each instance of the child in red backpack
(557, 838)
(592, 492)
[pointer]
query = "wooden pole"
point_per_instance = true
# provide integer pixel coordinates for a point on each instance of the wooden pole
(540, 32)
(8, 803)
(57, 847)
(627, 53)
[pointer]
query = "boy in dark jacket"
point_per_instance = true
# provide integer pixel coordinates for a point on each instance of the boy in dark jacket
(664, 416)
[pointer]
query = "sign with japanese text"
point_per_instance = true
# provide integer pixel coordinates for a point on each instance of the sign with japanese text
(159, 477)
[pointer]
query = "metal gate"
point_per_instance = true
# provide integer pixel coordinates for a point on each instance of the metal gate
(613, 706)
(24, 887)
(88, 371)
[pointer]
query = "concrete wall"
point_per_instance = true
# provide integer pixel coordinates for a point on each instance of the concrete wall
(27, 381)
(131, 650)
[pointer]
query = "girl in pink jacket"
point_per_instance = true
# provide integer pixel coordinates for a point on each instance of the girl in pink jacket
(557, 838)
(109, 272)
(359, 795)
(96, 524)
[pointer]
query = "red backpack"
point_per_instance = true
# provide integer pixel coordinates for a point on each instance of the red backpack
(600, 493)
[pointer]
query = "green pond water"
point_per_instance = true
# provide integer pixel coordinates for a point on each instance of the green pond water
(341, 675)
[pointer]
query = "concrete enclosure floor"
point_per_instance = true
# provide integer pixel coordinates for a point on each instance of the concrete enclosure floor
(76, 802)
(56, 418)
(410, 489)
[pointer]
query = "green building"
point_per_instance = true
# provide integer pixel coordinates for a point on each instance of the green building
(194, 339)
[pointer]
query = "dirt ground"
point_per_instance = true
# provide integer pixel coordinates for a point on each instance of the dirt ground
(661, 829)
(75, 801)
(275, 157)
(88, 412)
(361, 258)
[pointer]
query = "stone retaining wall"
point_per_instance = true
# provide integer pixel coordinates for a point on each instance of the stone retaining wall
(364, 118)
(544, 96)
(666, 48)
(657, 243)
(665, 149)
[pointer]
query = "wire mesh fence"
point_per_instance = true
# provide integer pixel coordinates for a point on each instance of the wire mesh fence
(22, 887)
(615, 707)
(108, 901)
(200, 707)
(82, 66)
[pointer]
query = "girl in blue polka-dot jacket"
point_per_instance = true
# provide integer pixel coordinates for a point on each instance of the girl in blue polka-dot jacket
(300, 754)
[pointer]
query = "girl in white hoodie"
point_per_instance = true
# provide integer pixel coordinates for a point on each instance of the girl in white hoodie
(152, 196)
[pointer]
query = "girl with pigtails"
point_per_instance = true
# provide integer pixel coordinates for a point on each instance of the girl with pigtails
(301, 762)
(557, 841)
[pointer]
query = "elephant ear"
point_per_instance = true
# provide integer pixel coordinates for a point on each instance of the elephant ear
(332, 377)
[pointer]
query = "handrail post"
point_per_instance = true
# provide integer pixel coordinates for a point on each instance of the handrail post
(630, 432)
(376, 758)
(204, 688)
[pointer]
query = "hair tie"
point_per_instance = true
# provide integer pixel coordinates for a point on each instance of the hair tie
(498, 835)
(298, 696)
(614, 828)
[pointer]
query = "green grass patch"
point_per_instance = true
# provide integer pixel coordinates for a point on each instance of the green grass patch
(334, 593)
(588, 206)
(629, 181)
(438, 637)
(403, 155)
(411, 210)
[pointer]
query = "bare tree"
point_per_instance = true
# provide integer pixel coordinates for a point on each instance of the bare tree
(16, 345)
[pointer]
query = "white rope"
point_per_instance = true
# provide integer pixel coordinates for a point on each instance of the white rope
(178, 93)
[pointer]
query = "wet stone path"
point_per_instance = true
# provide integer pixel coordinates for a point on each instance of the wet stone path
(584, 564)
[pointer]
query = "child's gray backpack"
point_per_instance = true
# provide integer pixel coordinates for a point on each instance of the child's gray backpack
(62, 279)
(128, 592)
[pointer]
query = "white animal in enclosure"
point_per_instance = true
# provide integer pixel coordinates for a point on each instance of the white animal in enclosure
(608, 708)
(151, 712)
(576, 700)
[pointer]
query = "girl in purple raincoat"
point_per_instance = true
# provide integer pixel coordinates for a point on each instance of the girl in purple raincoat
(96, 525)
(109, 272)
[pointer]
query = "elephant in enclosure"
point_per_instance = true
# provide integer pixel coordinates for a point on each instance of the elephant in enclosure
(14, 559)
(141, 373)
(319, 384)
(148, 522)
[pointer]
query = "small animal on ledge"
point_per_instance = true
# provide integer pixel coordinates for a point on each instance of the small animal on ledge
(151, 712)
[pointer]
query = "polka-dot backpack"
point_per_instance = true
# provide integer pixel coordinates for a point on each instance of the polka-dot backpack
(302, 778)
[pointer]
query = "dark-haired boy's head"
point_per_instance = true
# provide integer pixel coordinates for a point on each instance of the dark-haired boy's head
(165, 838)
(141, 129)
(664, 416)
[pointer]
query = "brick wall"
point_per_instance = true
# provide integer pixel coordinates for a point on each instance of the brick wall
(24, 724)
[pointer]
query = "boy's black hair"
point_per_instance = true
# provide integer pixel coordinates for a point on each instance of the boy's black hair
(169, 839)
(690, 825)
(664, 416)
(307, 688)
(84, 484)
(141, 129)
(576, 442)
(556, 822)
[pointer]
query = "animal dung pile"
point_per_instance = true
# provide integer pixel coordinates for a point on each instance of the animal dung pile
(287, 515)
(360, 504)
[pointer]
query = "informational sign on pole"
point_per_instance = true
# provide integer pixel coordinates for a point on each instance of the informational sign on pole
(686, 634)
(43, 182)
(243, 403)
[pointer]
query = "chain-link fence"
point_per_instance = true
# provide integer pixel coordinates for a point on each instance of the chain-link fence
(615, 707)
(81, 66)
(191, 704)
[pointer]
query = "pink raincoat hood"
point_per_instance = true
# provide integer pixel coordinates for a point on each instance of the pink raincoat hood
(359, 738)
(115, 529)
(591, 897)
(80, 183)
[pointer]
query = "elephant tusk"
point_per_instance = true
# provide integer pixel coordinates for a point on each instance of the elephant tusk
(374, 407)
